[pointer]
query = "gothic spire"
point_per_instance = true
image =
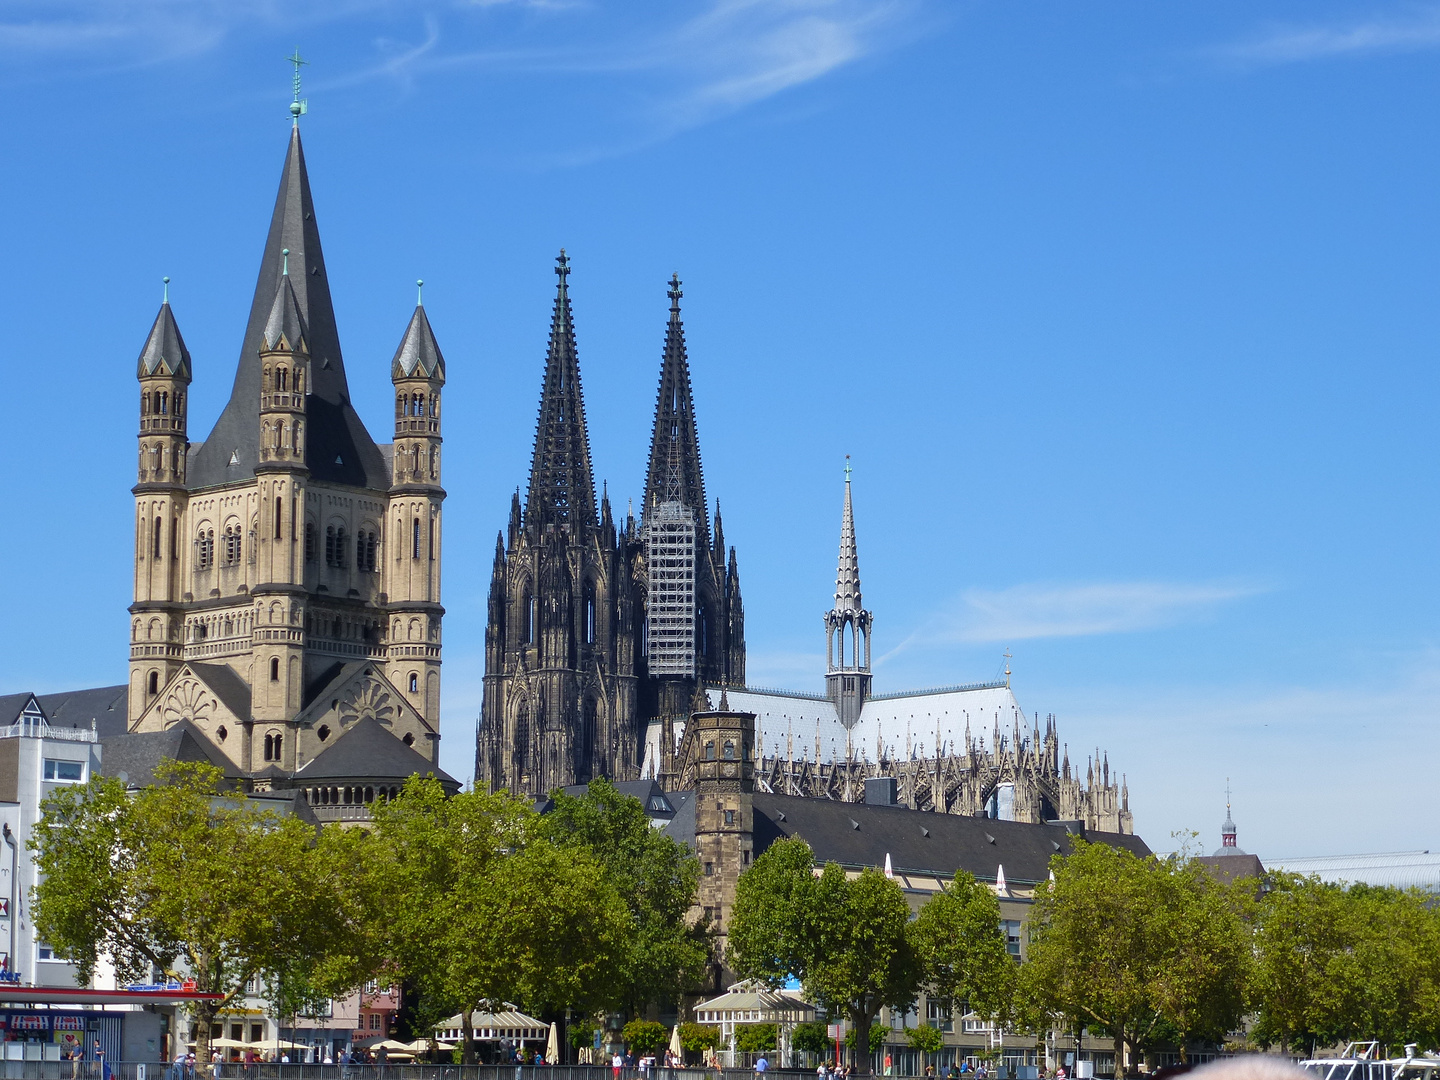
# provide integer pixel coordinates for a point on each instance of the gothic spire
(164, 353)
(339, 448)
(675, 470)
(847, 577)
(562, 485)
(418, 351)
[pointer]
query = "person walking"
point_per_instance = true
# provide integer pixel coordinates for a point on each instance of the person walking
(617, 1065)
(761, 1065)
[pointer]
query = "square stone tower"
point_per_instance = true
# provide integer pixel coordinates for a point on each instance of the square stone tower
(722, 749)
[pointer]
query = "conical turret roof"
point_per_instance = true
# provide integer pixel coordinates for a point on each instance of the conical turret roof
(338, 449)
(675, 471)
(562, 483)
(285, 323)
(165, 352)
(418, 354)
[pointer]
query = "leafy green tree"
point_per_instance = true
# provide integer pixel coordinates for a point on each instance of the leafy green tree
(186, 873)
(698, 1037)
(848, 940)
(484, 910)
(1135, 945)
(960, 938)
(754, 1038)
(1335, 964)
(926, 1038)
(812, 1037)
(644, 1037)
(657, 878)
(876, 1039)
(581, 1033)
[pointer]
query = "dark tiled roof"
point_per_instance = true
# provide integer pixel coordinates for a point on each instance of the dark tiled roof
(107, 706)
(338, 448)
(285, 321)
(418, 351)
(164, 352)
(369, 752)
(648, 793)
(12, 705)
(135, 757)
(856, 834)
(226, 685)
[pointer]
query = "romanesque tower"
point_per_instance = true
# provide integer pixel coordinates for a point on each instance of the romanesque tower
(287, 583)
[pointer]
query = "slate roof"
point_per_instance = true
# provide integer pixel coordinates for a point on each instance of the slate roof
(12, 705)
(917, 841)
(418, 350)
(657, 802)
(226, 685)
(338, 448)
(164, 352)
(107, 706)
(285, 321)
(367, 751)
(1228, 868)
(135, 757)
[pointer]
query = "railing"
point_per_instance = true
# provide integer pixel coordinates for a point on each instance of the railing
(39, 729)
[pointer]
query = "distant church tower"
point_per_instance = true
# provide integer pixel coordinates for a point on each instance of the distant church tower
(287, 582)
(594, 632)
(847, 681)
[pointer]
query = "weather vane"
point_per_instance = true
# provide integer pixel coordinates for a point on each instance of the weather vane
(298, 108)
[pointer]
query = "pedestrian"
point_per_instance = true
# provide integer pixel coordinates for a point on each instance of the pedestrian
(761, 1065)
(617, 1063)
(889, 1066)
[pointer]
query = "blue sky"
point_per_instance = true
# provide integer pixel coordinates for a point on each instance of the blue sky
(1125, 311)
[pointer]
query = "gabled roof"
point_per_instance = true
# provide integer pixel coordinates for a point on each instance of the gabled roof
(368, 751)
(134, 758)
(338, 448)
(418, 352)
(165, 352)
(106, 706)
(917, 841)
(12, 705)
(232, 690)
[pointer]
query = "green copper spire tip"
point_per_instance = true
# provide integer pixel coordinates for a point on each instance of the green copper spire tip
(285, 261)
(298, 107)
(166, 280)
(419, 292)
(847, 468)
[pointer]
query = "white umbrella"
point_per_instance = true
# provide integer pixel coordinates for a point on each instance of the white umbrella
(552, 1047)
(675, 1047)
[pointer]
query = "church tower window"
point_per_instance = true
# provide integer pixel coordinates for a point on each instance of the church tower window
(274, 669)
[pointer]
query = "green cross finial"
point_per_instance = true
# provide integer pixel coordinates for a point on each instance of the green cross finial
(847, 468)
(285, 261)
(166, 280)
(298, 108)
(419, 292)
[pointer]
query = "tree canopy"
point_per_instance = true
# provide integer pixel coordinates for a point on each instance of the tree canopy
(960, 937)
(188, 873)
(848, 940)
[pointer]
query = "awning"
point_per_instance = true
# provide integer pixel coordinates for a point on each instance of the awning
(491, 1027)
(58, 995)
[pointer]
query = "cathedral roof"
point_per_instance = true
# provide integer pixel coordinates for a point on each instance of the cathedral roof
(370, 751)
(164, 352)
(135, 757)
(418, 351)
(338, 448)
(675, 472)
(562, 482)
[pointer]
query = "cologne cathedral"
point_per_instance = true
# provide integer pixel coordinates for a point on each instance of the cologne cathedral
(596, 629)
(602, 639)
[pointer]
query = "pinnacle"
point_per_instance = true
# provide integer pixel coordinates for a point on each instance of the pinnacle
(419, 353)
(674, 440)
(847, 576)
(164, 353)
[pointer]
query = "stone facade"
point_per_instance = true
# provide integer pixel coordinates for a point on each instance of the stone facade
(287, 569)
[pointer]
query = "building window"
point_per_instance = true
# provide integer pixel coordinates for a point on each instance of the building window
(365, 547)
(729, 750)
(709, 869)
(710, 751)
(274, 669)
(44, 952)
(65, 772)
(232, 545)
(374, 1021)
(1012, 935)
(729, 817)
(257, 1033)
(205, 549)
(937, 1013)
(415, 538)
(309, 541)
(154, 684)
(273, 745)
(414, 683)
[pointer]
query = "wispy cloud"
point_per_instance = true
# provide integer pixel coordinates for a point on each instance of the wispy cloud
(1417, 31)
(1024, 612)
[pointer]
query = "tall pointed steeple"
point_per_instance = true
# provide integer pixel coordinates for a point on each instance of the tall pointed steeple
(675, 473)
(340, 450)
(847, 675)
(562, 484)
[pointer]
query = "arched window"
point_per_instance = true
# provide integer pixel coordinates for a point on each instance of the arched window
(274, 669)
(521, 751)
(710, 750)
(729, 750)
(205, 549)
(273, 746)
(154, 683)
(158, 526)
(415, 537)
(279, 514)
(589, 629)
(309, 541)
(414, 683)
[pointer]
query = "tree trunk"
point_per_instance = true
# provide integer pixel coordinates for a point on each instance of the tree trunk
(204, 1017)
(862, 1023)
(467, 1037)
(1119, 1053)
